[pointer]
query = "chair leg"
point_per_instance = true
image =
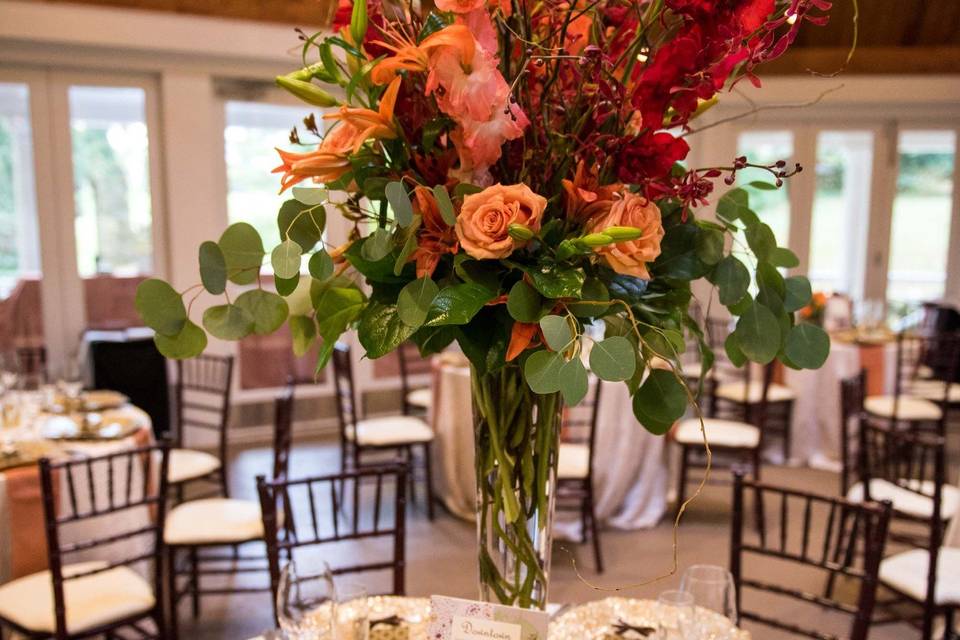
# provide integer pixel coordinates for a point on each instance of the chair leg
(412, 476)
(682, 480)
(758, 498)
(174, 625)
(948, 622)
(195, 582)
(595, 533)
(428, 468)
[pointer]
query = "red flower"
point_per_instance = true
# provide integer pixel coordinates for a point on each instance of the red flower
(649, 156)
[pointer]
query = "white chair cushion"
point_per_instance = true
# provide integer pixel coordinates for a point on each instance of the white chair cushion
(90, 601)
(923, 371)
(574, 461)
(212, 521)
(909, 502)
(391, 430)
(908, 408)
(721, 433)
(734, 391)
(187, 464)
(933, 390)
(907, 573)
(420, 397)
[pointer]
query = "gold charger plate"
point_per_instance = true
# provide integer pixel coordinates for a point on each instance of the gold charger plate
(108, 425)
(100, 399)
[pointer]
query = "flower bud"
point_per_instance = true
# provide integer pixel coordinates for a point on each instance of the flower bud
(520, 232)
(566, 249)
(305, 74)
(309, 93)
(623, 234)
(596, 239)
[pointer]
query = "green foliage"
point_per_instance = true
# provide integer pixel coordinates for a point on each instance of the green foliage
(243, 252)
(524, 303)
(660, 401)
(457, 304)
(161, 307)
(213, 268)
(807, 346)
(303, 223)
(228, 322)
(320, 265)
(574, 383)
(399, 202)
(613, 359)
(382, 329)
(542, 371)
(268, 310)
(188, 343)
(556, 332)
(304, 331)
(414, 301)
(285, 259)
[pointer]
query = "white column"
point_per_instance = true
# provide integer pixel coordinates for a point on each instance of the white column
(883, 189)
(952, 288)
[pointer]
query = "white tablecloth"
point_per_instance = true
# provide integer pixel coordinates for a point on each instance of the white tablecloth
(816, 410)
(631, 464)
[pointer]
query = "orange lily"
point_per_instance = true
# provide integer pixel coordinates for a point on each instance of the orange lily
(521, 338)
(323, 166)
(369, 123)
(410, 56)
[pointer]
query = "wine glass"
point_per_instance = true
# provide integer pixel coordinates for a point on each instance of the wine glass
(712, 588)
(352, 615)
(677, 615)
(306, 604)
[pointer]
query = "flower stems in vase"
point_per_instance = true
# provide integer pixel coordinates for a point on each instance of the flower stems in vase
(517, 437)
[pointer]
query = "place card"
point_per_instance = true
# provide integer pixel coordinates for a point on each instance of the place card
(458, 619)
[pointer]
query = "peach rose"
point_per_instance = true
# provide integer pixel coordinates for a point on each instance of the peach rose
(631, 257)
(485, 218)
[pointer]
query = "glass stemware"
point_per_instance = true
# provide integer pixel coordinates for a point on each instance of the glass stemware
(712, 588)
(306, 604)
(677, 616)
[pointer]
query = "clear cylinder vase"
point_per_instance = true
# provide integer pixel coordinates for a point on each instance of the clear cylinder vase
(517, 435)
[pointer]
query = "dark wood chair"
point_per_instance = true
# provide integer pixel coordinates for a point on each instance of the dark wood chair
(416, 400)
(917, 403)
(398, 436)
(853, 390)
(914, 466)
(349, 506)
(740, 439)
(799, 539)
(86, 598)
(202, 402)
(197, 531)
(575, 486)
(741, 400)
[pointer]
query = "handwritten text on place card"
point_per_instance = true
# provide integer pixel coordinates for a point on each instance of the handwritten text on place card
(476, 629)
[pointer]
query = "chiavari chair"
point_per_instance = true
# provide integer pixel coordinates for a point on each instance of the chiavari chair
(741, 400)
(798, 541)
(201, 402)
(396, 435)
(852, 394)
(114, 505)
(914, 466)
(575, 466)
(416, 400)
(198, 529)
(307, 514)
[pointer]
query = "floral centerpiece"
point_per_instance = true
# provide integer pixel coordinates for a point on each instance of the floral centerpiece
(513, 174)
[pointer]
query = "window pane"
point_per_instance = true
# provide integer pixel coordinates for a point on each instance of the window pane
(111, 181)
(841, 211)
(921, 218)
(253, 132)
(21, 325)
(773, 207)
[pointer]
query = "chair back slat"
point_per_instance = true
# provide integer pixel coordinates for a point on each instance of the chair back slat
(340, 511)
(852, 395)
(151, 498)
(283, 431)
(853, 544)
(410, 363)
(343, 389)
(202, 394)
(940, 352)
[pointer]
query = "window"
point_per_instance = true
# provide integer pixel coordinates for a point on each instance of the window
(253, 132)
(920, 229)
(111, 181)
(841, 211)
(773, 207)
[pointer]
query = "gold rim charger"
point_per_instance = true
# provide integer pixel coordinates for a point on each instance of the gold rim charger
(596, 620)
(414, 615)
(100, 399)
(108, 425)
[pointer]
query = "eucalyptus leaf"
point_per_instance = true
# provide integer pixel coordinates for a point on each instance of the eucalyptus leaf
(709, 246)
(303, 330)
(758, 334)
(377, 246)
(213, 268)
(189, 343)
(593, 294)
(733, 203)
(556, 332)
(399, 202)
(524, 303)
(807, 346)
(661, 397)
(160, 307)
(445, 205)
(228, 322)
(320, 265)
(762, 186)
(458, 304)
(732, 347)
(761, 240)
(302, 223)
(286, 286)
(783, 257)
(408, 239)
(732, 280)
(542, 371)
(613, 359)
(269, 310)
(243, 252)
(798, 293)
(413, 303)
(310, 196)
(285, 259)
(574, 383)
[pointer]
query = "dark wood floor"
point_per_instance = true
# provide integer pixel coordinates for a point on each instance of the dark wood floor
(441, 554)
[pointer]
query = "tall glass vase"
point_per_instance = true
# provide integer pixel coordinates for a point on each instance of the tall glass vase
(517, 439)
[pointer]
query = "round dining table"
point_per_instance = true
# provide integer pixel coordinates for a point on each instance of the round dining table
(28, 433)
(630, 474)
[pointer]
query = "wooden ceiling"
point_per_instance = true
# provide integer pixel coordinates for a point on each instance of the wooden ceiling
(895, 36)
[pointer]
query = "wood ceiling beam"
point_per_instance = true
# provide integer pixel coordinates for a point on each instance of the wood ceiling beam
(868, 60)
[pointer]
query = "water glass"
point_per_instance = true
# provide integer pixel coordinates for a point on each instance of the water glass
(306, 604)
(352, 615)
(677, 616)
(712, 588)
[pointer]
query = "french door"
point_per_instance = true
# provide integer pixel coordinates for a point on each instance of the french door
(80, 204)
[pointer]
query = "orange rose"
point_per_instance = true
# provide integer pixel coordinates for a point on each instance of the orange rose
(631, 257)
(485, 218)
